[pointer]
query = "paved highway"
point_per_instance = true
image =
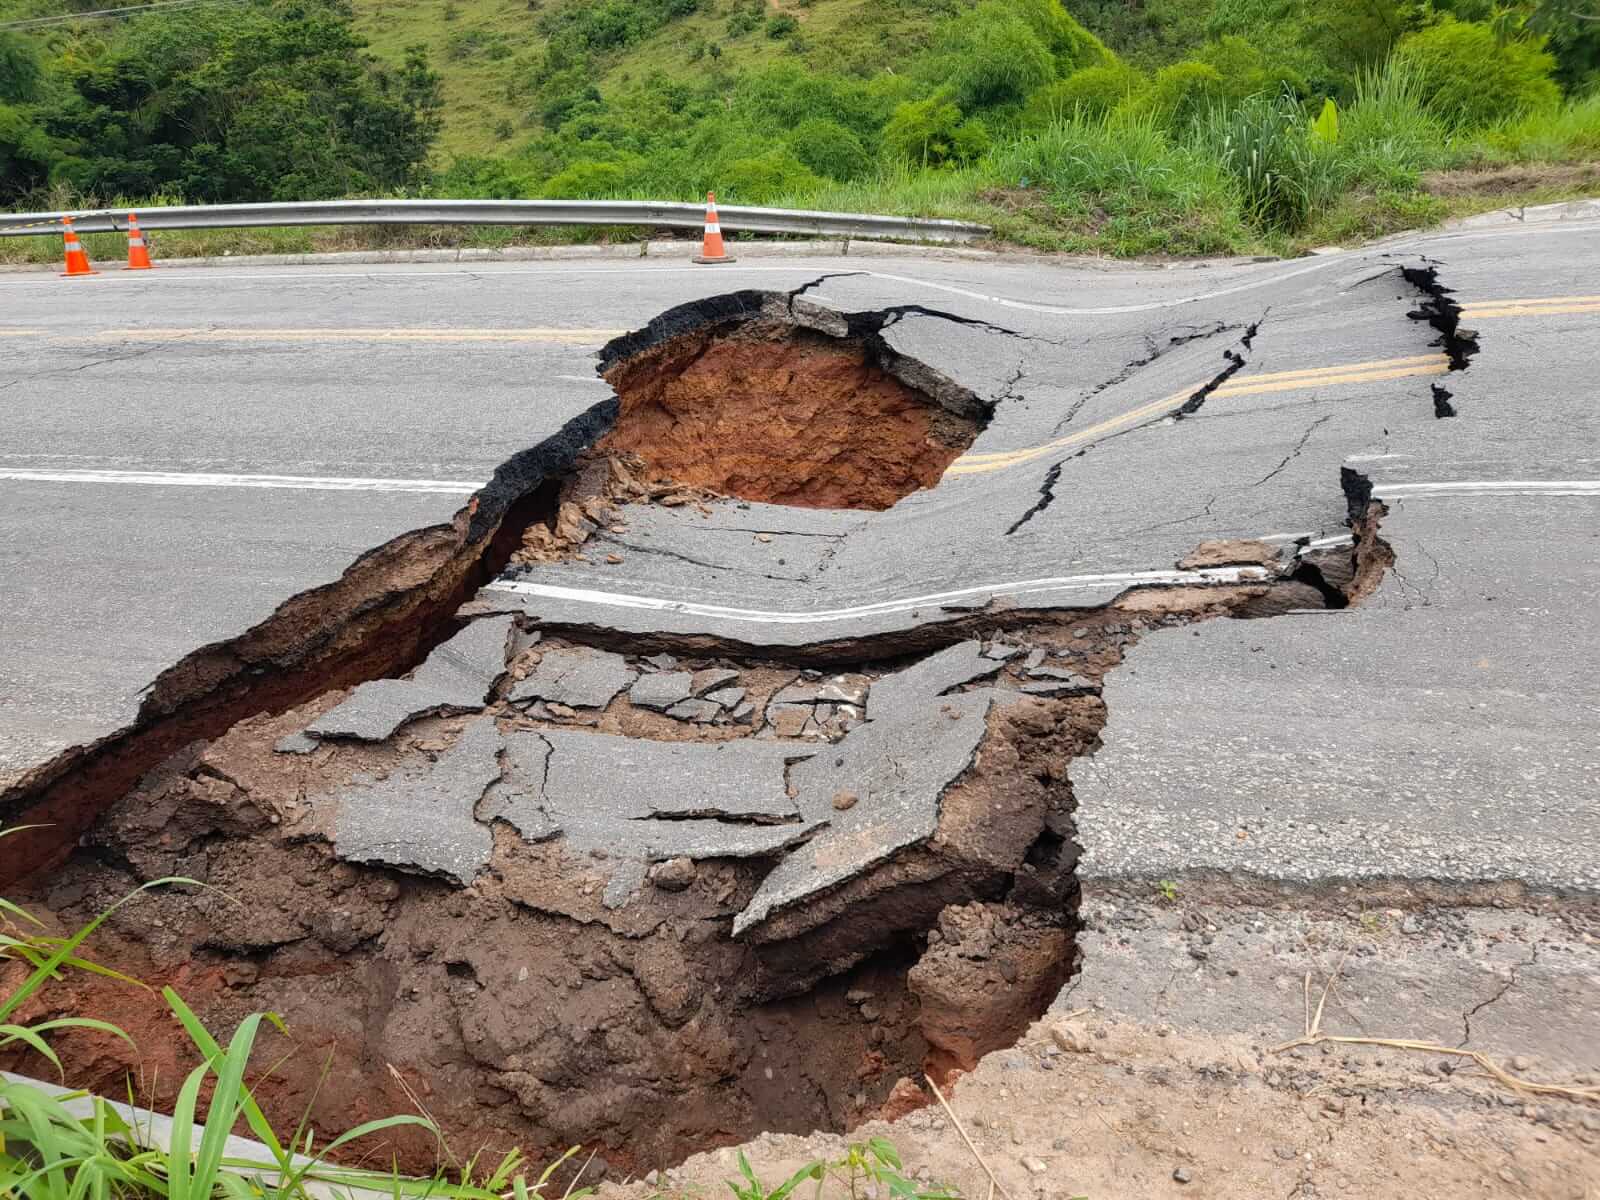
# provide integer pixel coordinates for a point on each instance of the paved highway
(186, 449)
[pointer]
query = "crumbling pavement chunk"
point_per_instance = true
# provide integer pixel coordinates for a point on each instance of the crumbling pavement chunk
(631, 779)
(517, 797)
(934, 675)
(424, 823)
(661, 691)
(578, 678)
(898, 766)
(457, 676)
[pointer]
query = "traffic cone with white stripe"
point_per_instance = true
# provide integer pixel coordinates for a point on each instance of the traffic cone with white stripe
(77, 260)
(712, 251)
(138, 253)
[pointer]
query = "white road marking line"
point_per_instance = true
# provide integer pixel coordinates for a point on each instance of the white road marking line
(1068, 583)
(435, 487)
(1500, 487)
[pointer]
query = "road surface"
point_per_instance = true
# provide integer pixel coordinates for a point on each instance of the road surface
(186, 450)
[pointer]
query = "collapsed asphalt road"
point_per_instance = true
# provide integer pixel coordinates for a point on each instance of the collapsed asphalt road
(763, 775)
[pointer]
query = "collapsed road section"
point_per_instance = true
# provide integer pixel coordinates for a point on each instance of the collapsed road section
(655, 888)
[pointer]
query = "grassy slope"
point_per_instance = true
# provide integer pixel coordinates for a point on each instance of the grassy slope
(877, 32)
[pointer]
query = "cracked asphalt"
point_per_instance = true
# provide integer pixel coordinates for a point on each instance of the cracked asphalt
(187, 450)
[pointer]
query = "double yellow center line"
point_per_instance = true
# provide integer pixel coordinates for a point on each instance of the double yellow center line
(1547, 306)
(1244, 385)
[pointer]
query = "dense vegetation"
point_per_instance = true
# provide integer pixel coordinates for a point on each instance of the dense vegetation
(1187, 126)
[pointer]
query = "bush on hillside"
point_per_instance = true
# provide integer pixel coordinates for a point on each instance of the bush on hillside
(1073, 46)
(585, 180)
(764, 178)
(995, 58)
(1470, 78)
(1091, 92)
(1181, 93)
(830, 150)
(1246, 72)
(932, 133)
(20, 72)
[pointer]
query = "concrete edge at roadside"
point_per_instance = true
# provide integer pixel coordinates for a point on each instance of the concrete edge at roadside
(153, 1131)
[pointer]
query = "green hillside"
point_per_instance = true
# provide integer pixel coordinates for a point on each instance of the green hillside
(1163, 126)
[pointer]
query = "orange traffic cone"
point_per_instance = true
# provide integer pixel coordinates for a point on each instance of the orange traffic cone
(712, 251)
(77, 260)
(138, 255)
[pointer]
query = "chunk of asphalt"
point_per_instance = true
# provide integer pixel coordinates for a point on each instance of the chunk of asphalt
(632, 779)
(898, 767)
(625, 882)
(700, 711)
(424, 823)
(1002, 652)
(710, 679)
(661, 691)
(578, 678)
(1062, 687)
(1070, 680)
(457, 676)
(934, 675)
(727, 697)
(517, 797)
(296, 743)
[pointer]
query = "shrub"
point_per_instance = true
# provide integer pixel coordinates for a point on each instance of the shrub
(1387, 135)
(932, 133)
(1469, 78)
(763, 178)
(1283, 173)
(585, 180)
(829, 149)
(1091, 92)
(1182, 92)
(782, 25)
(1073, 46)
(995, 58)
(1246, 72)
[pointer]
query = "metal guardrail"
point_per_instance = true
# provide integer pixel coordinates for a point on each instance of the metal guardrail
(645, 213)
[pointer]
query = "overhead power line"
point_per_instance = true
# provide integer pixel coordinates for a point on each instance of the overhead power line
(106, 14)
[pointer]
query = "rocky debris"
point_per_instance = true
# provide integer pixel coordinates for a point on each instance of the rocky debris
(296, 743)
(577, 678)
(710, 679)
(424, 822)
(899, 766)
(702, 712)
(730, 698)
(674, 875)
(933, 676)
(661, 690)
(457, 676)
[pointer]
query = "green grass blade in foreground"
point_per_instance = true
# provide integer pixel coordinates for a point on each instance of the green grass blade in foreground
(179, 1159)
(63, 952)
(207, 1045)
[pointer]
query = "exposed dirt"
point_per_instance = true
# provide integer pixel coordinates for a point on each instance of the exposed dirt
(1513, 180)
(1102, 1106)
(783, 416)
(522, 1009)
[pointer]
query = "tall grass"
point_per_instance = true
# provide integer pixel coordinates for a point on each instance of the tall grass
(1141, 190)
(1284, 173)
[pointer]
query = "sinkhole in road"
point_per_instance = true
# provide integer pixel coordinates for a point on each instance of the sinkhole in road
(545, 954)
(760, 396)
